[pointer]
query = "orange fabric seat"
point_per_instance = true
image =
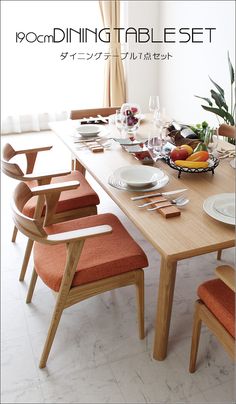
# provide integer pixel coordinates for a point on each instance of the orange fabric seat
(83, 196)
(220, 300)
(101, 257)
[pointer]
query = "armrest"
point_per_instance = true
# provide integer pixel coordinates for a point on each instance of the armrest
(77, 235)
(33, 150)
(227, 274)
(48, 189)
(30, 177)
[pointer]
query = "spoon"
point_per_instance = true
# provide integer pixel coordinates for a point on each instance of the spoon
(174, 201)
(181, 202)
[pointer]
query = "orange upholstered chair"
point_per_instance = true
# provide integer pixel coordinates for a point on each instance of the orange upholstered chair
(80, 258)
(216, 308)
(73, 203)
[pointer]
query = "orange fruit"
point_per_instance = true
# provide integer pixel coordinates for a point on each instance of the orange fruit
(188, 148)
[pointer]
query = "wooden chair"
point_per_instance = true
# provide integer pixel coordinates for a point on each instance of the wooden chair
(80, 258)
(216, 308)
(72, 204)
(87, 113)
(230, 132)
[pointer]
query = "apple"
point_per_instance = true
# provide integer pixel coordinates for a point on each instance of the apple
(178, 154)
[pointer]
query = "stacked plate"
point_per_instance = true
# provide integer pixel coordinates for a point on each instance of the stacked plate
(89, 130)
(138, 178)
(221, 207)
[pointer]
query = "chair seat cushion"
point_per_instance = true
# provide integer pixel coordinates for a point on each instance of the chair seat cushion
(81, 197)
(101, 257)
(220, 300)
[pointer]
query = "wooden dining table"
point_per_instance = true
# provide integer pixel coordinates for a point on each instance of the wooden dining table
(192, 233)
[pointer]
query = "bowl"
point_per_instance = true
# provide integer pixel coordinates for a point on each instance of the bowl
(89, 130)
(213, 163)
(140, 176)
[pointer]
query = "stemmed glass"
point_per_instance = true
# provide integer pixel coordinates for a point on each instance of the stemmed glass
(211, 141)
(119, 121)
(154, 103)
(155, 140)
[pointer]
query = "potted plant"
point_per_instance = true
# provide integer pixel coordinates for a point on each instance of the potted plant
(217, 103)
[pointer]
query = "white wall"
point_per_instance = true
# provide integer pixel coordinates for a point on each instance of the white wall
(186, 73)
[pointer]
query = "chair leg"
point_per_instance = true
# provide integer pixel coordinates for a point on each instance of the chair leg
(195, 338)
(14, 234)
(26, 259)
(140, 301)
(32, 286)
(219, 252)
(51, 332)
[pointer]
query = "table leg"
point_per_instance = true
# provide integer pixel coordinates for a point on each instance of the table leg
(164, 307)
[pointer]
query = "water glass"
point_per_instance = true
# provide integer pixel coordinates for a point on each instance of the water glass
(154, 146)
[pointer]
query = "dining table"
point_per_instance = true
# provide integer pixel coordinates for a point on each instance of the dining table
(190, 234)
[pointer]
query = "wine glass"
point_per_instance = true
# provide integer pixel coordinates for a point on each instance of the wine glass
(154, 103)
(211, 141)
(119, 121)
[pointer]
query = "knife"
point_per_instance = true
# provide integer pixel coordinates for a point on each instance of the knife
(136, 198)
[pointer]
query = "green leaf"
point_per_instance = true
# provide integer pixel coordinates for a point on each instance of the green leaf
(231, 70)
(205, 99)
(223, 114)
(221, 91)
(219, 100)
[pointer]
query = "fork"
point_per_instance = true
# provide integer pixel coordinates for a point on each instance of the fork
(176, 200)
(180, 202)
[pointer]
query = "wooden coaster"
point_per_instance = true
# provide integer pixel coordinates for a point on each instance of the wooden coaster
(170, 211)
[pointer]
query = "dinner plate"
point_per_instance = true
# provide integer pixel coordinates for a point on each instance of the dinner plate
(89, 130)
(115, 181)
(221, 207)
(140, 176)
(128, 142)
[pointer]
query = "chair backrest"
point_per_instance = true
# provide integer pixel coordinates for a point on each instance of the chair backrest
(10, 169)
(87, 113)
(31, 227)
(227, 130)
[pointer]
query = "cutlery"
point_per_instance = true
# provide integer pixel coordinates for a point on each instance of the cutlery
(181, 202)
(177, 191)
(160, 201)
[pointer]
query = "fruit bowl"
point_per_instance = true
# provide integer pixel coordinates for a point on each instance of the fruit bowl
(213, 163)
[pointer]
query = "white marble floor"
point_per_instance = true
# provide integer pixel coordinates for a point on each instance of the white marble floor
(97, 356)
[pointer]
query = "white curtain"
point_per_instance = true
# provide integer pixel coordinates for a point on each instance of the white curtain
(38, 85)
(30, 122)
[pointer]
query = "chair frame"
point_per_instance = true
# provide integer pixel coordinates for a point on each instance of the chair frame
(203, 314)
(13, 170)
(74, 240)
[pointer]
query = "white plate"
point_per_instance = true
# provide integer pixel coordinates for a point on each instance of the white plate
(140, 176)
(220, 207)
(89, 130)
(115, 181)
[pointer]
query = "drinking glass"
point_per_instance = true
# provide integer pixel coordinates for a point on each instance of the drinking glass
(154, 145)
(154, 103)
(119, 121)
(211, 141)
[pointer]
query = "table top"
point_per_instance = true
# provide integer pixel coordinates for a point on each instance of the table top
(190, 234)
